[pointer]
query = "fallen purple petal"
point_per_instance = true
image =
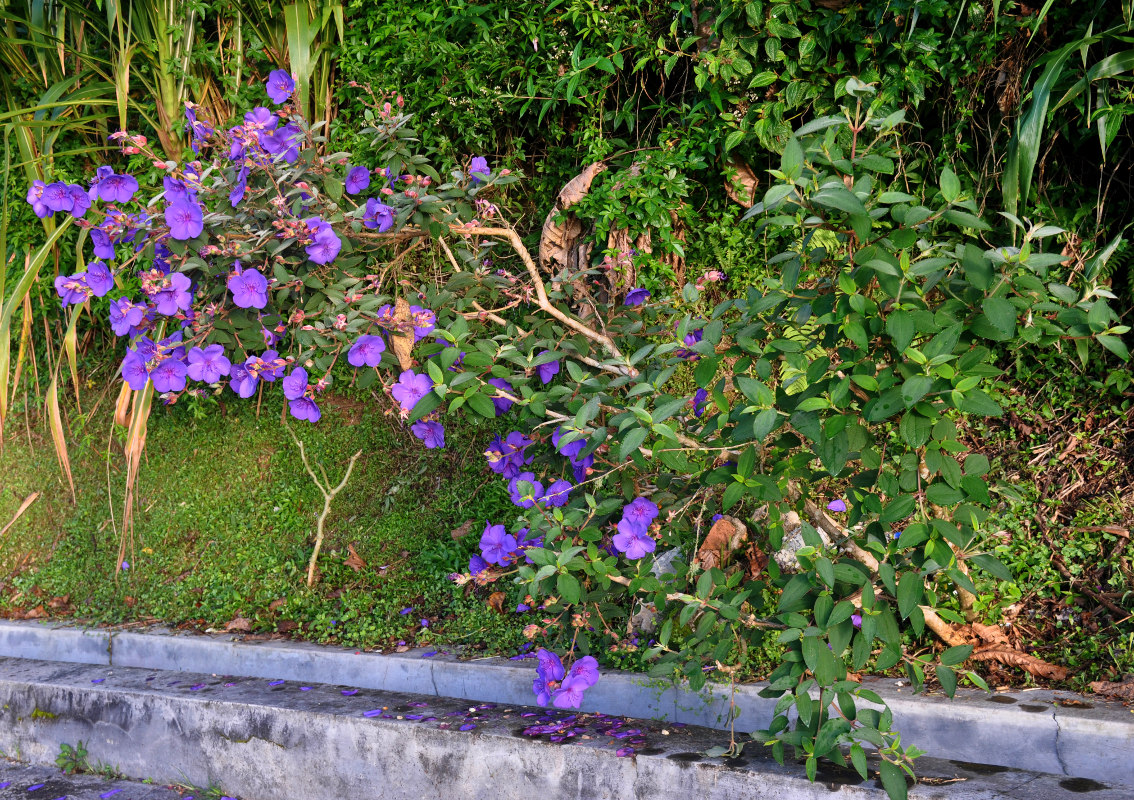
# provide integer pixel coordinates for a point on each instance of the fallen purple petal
(198, 687)
(37, 786)
(348, 692)
(275, 683)
(467, 727)
(622, 752)
(305, 688)
(97, 680)
(374, 712)
(430, 654)
(111, 793)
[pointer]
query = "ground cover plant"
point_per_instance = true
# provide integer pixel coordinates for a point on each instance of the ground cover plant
(808, 374)
(825, 412)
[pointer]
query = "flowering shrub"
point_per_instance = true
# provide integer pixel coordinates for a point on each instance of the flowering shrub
(265, 262)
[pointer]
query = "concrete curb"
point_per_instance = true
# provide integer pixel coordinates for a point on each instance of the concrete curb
(1050, 732)
(277, 740)
(20, 782)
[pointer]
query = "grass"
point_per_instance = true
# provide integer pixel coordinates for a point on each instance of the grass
(225, 524)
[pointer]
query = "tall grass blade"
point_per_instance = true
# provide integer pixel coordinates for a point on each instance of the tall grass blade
(24, 506)
(58, 433)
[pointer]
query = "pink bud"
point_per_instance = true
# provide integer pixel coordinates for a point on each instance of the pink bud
(401, 102)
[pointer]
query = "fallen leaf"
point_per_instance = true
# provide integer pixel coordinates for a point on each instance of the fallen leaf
(39, 612)
(401, 339)
(272, 606)
(238, 625)
(130, 601)
(741, 183)
(992, 634)
(461, 530)
(287, 626)
(559, 241)
(31, 498)
(1028, 663)
(726, 535)
(60, 602)
(1115, 691)
(496, 602)
(354, 560)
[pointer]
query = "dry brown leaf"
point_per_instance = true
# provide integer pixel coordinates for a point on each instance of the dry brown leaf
(39, 612)
(279, 601)
(1014, 658)
(992, 634)
(496, 602)
(1115, 691)
(726, 535)
(238, 625)
(461, 530)
(559, 242)
(130, 601)
(124, 406)
(354, 560)
(741, 183)
(287, 626)
(60, 602)
(401, 338)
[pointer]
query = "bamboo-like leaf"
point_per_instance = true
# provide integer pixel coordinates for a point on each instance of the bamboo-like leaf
(58, 433)
(124, 406)
(31, 498)
(1110, 67)
(300, 38)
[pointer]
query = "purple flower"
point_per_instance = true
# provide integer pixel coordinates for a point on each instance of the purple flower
(700, 399)
(838, 506)
(856, 620)
(584, 672)
(505, 457)
(295, 384)
(208, 364)
(569, 695)
(496, 544)
(72, 289)
(243, 381)
(176, 296)
(81, 201)
(547, 371)
(325, 247)
(432, 433)
(378, 215)
(557, 494)
(550, 668)
(117, 188)
(279, 86)
(367, 351)
(98, 277)
(184, 220)
(477, 565)
(527, 499)
(501, 404)
(305, 408)
(57, 198)
(249, 289)
(635, 297)
(633, 541)
(410, 388)
(238, 188)
(569, 449)
(176, 191)
(35, 198)
(124, 315)
(425, 321)
(357, 180)
(169, 375)
(103, 246)
(283, 142)
(640, 513)
(260, 119)
(478, 169)
(134, 370)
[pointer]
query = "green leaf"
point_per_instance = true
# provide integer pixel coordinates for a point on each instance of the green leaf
(568, 587)
(893, 780)
(991, 565)
(481, 405)
(631, 442)
(900, 327)
(858, 758)
(950, 185)
(915, 388)
(1114, 345)
(841, 198)
(956, 655)
(1001, 314)
(948, 680)
(910, 589)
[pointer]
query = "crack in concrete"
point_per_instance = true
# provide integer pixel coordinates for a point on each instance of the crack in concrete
(1058, 753)
(433, 678)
